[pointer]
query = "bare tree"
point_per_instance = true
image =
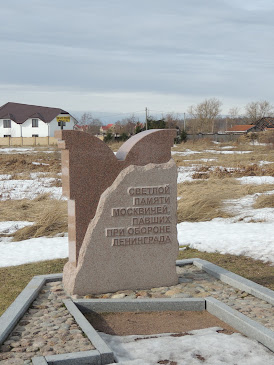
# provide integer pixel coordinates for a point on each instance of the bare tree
(86, 119)
(118, 128)
(258, 109)
(234, 112)
(205, 114)
(173, 121)
(126, 125)
(130, 124)
(93, 125)
(233, 117)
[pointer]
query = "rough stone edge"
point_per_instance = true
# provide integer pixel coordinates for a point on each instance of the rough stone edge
(17, 309)
(134, 305)
(241, 322)
(106, 354)
(235, 280)
(85, 357)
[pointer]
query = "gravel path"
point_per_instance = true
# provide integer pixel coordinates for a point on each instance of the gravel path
(47, 328)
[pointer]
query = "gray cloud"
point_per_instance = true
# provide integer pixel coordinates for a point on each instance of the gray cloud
(201, 49)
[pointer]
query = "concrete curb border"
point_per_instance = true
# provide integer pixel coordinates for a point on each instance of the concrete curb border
(82, 358)
(232, 279)
(240, 322)
(142, 305)
(17, 309)
(105, 352)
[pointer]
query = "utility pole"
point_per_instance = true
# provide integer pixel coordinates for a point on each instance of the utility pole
(184, 121)
(146, 118)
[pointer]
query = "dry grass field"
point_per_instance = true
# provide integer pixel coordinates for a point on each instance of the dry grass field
(216, 171)
(203, 200)
(214, 181)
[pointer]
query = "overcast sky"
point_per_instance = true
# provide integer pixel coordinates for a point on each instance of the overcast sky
(119, 56)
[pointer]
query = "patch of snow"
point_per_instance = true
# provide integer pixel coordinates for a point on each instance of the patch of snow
(28, 189)
(22, 150)
(201, 159)
(12, 150)
(256, 143)
(185, 173)
(261, 163)
(9, 227)
(5, 177)
(221, 235)
(207, 159)
(243, 211)
(227, 147)
(38, 175)
(226, 152)
(40, 163)
(256, 180)
(205, 346)
(184, 153)
(33, 250)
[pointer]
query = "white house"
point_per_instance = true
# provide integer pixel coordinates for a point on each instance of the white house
(23, 120)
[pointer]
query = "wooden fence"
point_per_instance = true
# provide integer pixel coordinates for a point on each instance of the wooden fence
(27, 141)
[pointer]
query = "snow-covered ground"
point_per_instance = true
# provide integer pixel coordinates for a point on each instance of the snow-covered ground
(32, 250)
(28, 189)
(220, 235)
(10, 227)
(250, 232)
(205, 346)
(12, 150)
(256, 180)
(188, 152)
(23, 150)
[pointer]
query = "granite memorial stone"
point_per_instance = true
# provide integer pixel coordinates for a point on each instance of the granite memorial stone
(122, 212)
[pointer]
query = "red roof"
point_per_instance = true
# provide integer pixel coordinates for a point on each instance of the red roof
(81, 127)
(241, 128)
(106, 127)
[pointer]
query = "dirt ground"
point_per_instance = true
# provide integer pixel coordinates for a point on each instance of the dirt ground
(148, 323)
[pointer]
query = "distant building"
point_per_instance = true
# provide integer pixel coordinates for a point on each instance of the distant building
(24, 120)
(245, 128)
(263, 124)
(83, 127)
(105, 128)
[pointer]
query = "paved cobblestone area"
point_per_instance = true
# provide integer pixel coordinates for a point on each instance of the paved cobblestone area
(48, 328)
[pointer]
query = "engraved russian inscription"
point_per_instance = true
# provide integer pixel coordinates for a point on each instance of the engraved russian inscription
(150, 220)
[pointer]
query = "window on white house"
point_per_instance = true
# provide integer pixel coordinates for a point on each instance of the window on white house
(35, 135)
(7, 135)
(7, 123)
(34, 123)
